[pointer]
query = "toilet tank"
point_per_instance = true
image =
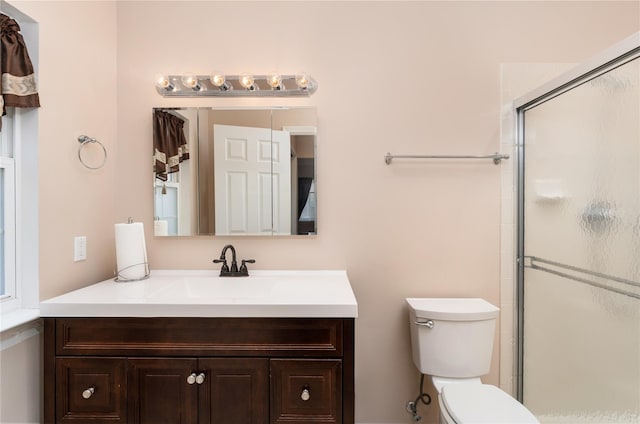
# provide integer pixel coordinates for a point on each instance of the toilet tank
(452, 337)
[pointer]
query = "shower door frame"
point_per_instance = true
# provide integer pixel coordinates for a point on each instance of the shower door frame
(612, 58)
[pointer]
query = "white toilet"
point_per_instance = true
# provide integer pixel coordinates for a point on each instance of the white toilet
(452, 341)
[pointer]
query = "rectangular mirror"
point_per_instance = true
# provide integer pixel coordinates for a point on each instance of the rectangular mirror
(235, 172)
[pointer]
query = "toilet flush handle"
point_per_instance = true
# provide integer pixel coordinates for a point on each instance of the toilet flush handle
(428, 324)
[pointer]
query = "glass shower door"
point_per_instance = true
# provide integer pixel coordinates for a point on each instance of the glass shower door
(580, 278)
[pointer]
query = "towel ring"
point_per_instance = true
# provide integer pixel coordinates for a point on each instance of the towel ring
(84, 140)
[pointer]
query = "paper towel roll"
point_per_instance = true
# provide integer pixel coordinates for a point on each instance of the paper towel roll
(161, 227)
(131, 252)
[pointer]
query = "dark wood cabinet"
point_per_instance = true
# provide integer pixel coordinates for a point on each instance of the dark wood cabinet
(306, 390)
(234, 391)
(158, 391)
(199, 370)
(90, 390)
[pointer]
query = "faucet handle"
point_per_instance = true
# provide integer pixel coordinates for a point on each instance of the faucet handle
(225, 267)
(243, 266)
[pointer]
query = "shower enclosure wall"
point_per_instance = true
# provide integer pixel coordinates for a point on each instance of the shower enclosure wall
(578, 242)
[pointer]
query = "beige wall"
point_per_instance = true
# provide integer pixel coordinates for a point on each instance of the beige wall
(409, 229)
(21, 375)
(77, 81)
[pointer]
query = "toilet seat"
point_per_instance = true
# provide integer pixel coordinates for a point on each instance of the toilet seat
(440, 382)
(483, 403)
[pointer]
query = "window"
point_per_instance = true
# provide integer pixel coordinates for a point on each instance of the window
(8, 290)
(19, 270)
(19, 295)
(7, 229)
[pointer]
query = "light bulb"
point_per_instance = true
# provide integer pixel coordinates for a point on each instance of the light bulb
(163, 81)
(247, 82)
(190, 81)
(274, 81)
(218, 80)
(302, 80)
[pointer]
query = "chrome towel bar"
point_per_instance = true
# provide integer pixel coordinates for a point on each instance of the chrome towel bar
(496, 157)
(532, 263)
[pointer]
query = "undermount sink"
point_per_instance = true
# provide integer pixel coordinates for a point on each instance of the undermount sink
(203, 293)
(217, 288)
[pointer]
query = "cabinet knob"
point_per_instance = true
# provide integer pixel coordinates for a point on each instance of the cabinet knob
(200, 378)
(305, 395)
(192, 378)
(88, 393)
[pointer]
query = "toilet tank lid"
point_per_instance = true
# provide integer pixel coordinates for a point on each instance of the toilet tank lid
(483, 403)
(452, 309)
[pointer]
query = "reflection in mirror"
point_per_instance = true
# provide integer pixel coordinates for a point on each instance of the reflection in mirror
(299, 128)
(255, 174)
(175, 178)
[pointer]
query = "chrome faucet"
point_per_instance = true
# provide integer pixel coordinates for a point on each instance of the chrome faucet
(225, 271)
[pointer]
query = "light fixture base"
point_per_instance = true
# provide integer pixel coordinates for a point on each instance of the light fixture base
(233, 88)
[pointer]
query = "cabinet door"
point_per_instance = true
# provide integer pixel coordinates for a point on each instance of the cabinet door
(306, 391)
(234, 391)
(90, 390)
(161, 392)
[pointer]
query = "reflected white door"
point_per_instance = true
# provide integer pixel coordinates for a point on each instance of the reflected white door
(252, 181)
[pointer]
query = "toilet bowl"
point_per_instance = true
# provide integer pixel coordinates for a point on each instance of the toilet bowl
(452, 342)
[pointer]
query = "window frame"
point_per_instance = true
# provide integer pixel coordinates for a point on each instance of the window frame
(11, 289)
(19, 152)
(10, 299)
(22, 310)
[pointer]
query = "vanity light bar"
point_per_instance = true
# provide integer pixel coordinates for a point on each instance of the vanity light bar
(189, 85)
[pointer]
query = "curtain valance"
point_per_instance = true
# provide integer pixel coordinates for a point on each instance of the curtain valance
(18, 82)
(169, 144)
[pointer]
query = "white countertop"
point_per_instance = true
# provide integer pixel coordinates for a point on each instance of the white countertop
(195, 293)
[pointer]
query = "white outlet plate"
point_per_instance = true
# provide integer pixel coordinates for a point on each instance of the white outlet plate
(79, 248)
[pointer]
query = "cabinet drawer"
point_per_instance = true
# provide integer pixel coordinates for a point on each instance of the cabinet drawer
(306, 391)
(90, 390)
(200, 337)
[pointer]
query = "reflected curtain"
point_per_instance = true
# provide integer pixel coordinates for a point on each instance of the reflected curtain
(169, 143)
(18, 82)
(304, 188)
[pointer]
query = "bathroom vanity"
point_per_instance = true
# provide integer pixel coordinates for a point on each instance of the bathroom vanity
(192, 347)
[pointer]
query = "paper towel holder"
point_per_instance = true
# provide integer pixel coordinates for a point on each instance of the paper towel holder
(120, 279)
(147, 271)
